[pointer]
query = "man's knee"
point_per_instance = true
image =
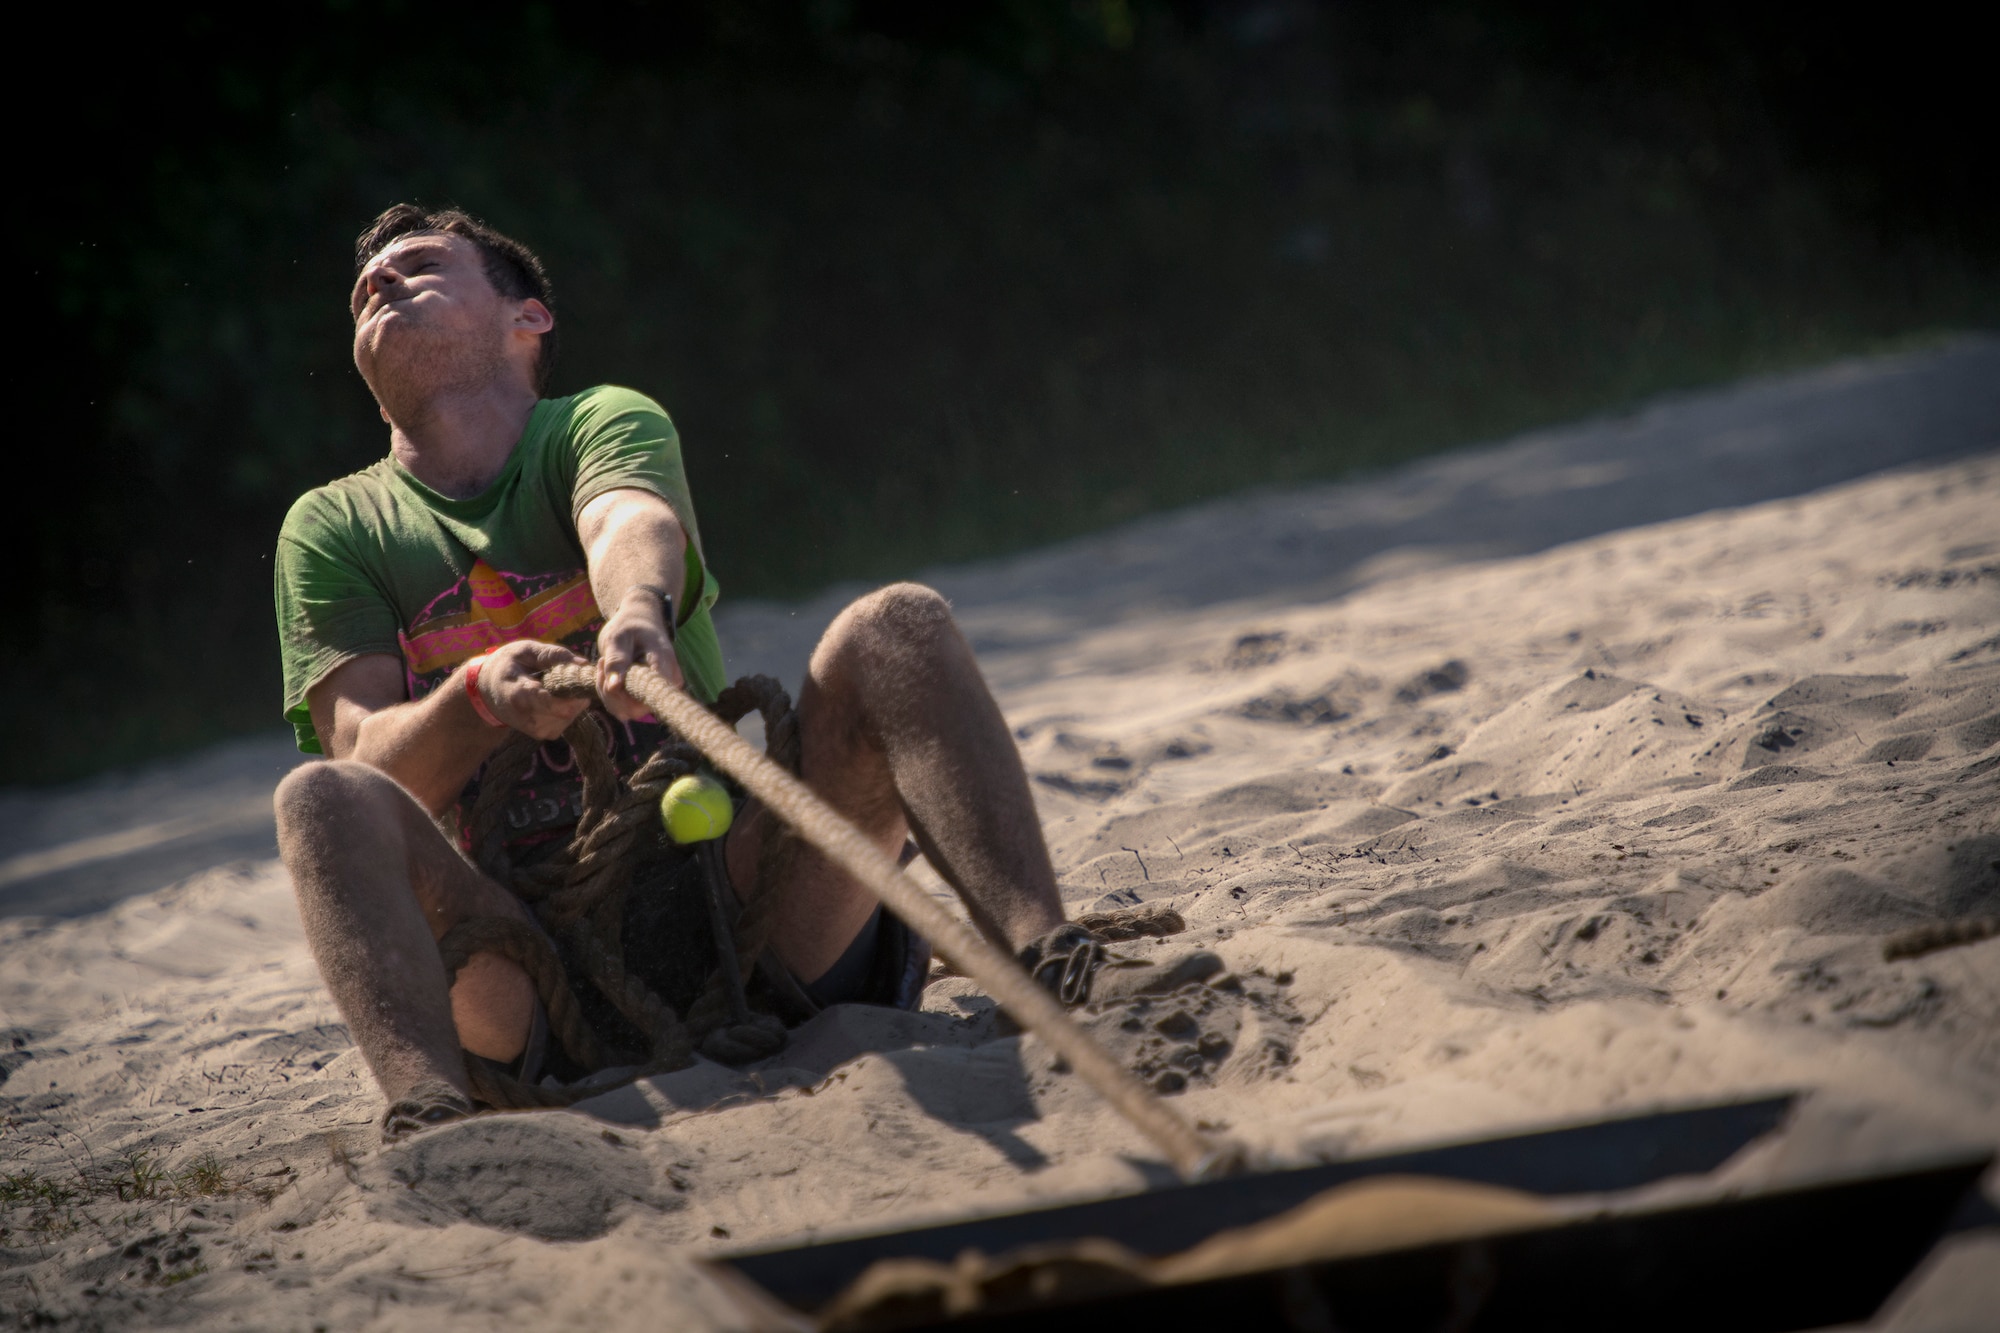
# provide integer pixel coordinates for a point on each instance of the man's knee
(315, 796)
(901, 619)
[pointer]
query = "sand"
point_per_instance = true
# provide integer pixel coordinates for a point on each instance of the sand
(1580, 774)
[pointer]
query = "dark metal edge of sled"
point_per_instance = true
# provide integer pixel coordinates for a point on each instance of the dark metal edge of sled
(1827, 1253)
(1594, 1157)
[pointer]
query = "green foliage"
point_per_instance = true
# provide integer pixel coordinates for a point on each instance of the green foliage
(913, 294)
(139, 1176)
(35, 1190)
(205, 1177)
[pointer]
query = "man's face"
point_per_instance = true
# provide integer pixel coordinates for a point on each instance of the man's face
(426, 318)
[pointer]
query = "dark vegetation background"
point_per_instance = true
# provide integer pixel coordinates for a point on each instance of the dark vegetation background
(927, 283)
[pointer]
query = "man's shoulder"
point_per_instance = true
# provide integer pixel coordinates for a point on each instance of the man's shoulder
(602, 405)
(341, 503)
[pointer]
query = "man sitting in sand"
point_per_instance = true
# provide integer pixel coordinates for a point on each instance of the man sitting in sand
(506, 533)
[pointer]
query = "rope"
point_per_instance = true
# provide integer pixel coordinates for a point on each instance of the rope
(522, 944)
(507, 767)
(578, 896)
(581, 897)
(974, 956)
(1944, 935)
(718, 1021)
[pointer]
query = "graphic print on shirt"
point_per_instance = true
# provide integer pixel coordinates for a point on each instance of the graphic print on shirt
(488, 609)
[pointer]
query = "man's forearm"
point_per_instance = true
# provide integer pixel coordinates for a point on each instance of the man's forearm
(632, 540)
(638, 557)
(432, 746)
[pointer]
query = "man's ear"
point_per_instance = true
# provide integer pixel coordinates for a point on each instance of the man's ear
(533, 317)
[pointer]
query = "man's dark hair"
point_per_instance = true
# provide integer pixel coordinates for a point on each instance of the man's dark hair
(515, 271)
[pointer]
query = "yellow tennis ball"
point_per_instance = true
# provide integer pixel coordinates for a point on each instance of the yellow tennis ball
(696, 808)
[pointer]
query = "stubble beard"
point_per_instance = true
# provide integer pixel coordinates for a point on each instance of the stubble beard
(412, 372)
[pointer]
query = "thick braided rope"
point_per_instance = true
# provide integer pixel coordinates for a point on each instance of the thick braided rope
(1944, 935)
(588, 910)
(712, 1015)
(503, 1092)
(603, 853)
(672, 1047)
(585, 887)
(601, 858)
(527, 947)
(608, 836)
(1002, 977)
(671, 1040)
(509, 938)
(486, 821)
(646, 1011)
(766, 697)
(598, 870)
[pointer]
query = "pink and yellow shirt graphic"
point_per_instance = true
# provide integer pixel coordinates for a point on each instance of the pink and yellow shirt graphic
(489, 608)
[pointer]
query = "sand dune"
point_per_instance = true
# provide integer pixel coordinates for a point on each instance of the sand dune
(1487, 841)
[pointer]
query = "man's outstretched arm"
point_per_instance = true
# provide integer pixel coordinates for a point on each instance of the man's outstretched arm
(433, 745)
(636, 550)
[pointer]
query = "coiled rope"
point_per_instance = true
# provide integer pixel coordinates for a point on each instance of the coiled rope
(578, 898)
(776, 785)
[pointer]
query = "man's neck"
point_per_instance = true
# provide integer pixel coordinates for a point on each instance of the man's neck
(457, 441)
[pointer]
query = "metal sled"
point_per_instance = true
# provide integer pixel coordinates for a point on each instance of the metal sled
(1829, 1252)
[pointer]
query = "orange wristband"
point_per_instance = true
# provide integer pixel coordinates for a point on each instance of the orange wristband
(479, 704)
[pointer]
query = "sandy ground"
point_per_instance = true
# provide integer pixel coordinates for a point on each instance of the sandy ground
(1522, 785)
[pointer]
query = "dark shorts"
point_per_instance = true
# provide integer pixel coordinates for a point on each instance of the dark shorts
(885, 964)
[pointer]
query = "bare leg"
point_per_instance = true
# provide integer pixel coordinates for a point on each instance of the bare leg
(377, 886)
(899, 733)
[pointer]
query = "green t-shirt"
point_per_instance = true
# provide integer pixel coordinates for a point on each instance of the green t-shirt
(380, 563)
